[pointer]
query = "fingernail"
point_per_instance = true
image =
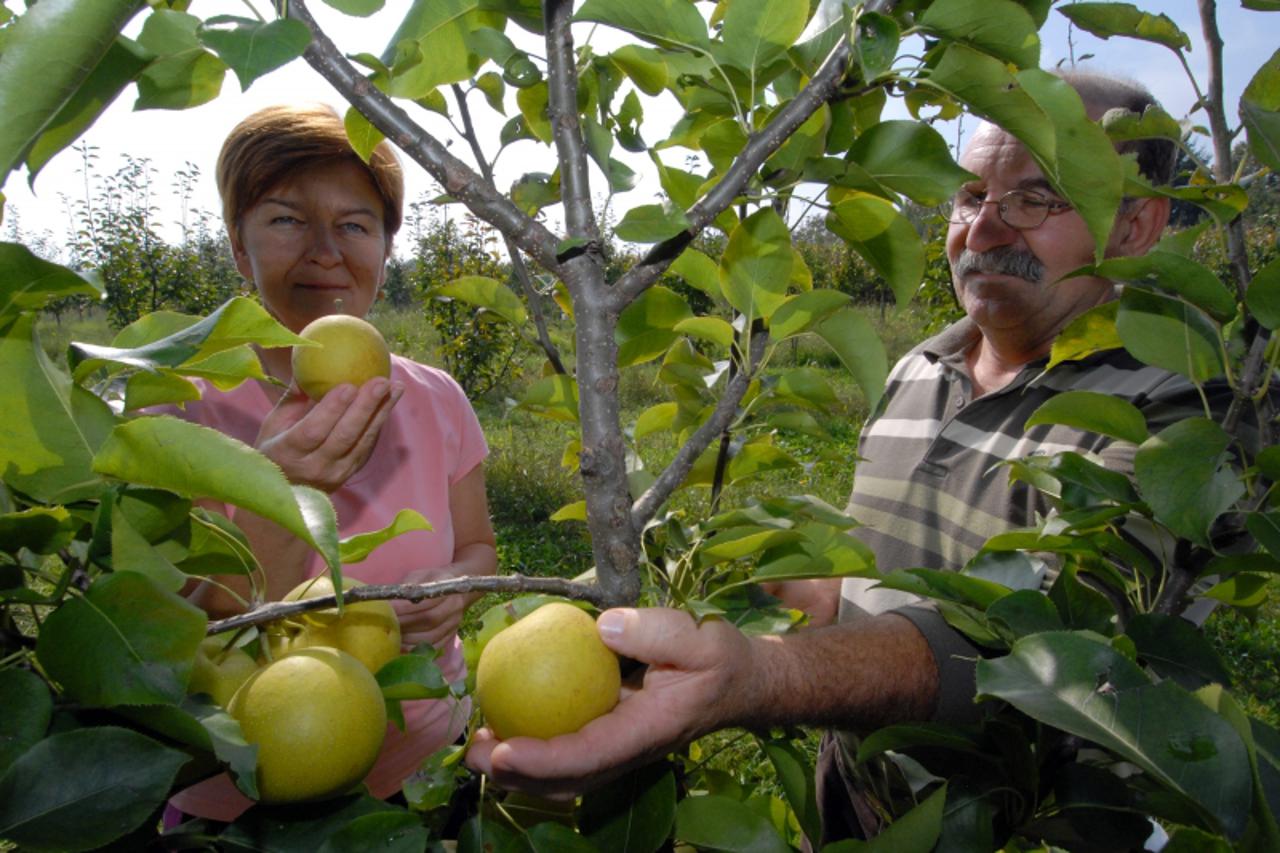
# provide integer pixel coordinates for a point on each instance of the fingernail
(612, 623)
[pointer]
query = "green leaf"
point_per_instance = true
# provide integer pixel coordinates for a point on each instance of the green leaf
(756, 265)
(911, 158)
(795, 775)
(355, 548)
(918, 829)
(168, 340)
(184, 79)
(1184, 476)
(28, 283)
(125, 642)
(438, 31)
(390, 831)
(554, 397)
(1260, 113)
(876, 40)
(646, 327)
(1001, 28)
(363, 135)
(883, 237)
(710, 329)
(82, 789)
(41, 530)
(718, 823)
(1180, 276)
(142, 390)
(1177, 649)
(28, 710)
(1263, 296)
(195, 461)
(51, 427)
(853, 339)
(132, 552)
(645, 67)
(656, 418)
(1105, 20)
(358, 8)
(533, 102)
(1087, 688)
(1169, 333)
(1024, 612)
(651, 223)
(305, 827)
(1090, 332)
(804, 311)
(632, 814)
(487, 293)
(805, 386)
(1088, 410)
(412, 676)
(698, 271)
(757, 32)
(254, 48)
(1124, 125)
(826, 551)
(48, 54)
(667, 23)
(490, 83)
(119, 67)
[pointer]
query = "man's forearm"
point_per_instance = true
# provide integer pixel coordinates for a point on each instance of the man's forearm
(857, 676)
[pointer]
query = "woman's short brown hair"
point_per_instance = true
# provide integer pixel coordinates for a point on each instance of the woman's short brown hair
(276, 143)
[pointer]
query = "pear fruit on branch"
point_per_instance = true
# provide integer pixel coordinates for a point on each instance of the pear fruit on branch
(367, 630)
(219, 669)
(349, 350)
(546, 675)
(318, 719)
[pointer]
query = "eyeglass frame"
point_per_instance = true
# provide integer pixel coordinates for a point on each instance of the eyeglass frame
(1051, 208)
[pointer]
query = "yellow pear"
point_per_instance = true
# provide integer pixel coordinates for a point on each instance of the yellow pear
(219, 671)
(318, 719)
(548, 674)
(367, 630)
(351, 350)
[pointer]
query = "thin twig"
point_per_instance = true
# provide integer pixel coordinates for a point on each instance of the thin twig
(457, 178)
(412, 592)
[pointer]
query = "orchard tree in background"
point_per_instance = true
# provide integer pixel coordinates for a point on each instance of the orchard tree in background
(97, 515)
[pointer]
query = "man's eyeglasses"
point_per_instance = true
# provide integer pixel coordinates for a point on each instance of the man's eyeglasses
(1019, 209)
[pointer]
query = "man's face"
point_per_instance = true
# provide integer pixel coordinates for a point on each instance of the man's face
(1008, 280)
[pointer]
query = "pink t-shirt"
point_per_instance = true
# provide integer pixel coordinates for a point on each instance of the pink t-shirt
(431, 440)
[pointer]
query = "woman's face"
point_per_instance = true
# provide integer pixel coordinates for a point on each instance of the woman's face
(313, 240)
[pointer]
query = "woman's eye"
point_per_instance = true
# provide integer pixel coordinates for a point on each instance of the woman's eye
(354, 227)
(283, 219)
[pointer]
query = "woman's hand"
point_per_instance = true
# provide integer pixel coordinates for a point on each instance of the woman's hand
(432, 620)
(322, 444)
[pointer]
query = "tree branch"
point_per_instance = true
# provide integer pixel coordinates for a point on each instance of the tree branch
(726, 410)
(562, 100)
(760, 146)
(518, 266)
(412, 592)
(458, 180)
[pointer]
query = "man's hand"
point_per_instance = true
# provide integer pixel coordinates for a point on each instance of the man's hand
(324, 443)
(698, 679)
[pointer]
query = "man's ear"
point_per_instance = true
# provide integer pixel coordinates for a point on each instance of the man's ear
(1139, 224)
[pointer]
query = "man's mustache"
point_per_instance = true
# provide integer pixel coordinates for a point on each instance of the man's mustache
(1004, 260)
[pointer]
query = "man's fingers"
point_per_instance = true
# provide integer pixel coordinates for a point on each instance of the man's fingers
(656, 636)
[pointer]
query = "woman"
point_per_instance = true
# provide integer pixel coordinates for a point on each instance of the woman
(311, 226)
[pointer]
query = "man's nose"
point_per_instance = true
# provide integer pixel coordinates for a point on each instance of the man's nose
(988, 230)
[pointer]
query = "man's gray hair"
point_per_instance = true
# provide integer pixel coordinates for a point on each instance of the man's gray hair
(1157, 158)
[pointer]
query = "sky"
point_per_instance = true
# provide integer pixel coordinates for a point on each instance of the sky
(172, 140)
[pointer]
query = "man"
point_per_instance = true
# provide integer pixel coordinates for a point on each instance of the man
(953, 407)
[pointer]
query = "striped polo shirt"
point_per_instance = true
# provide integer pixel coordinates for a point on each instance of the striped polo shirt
(929, 488)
